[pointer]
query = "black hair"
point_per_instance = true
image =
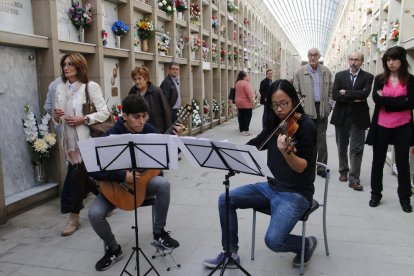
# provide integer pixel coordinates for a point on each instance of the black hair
(134, 104)
(241, 76)
(173, 63)
(287, 87)
(396, 52)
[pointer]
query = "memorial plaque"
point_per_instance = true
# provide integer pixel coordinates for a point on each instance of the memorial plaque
(112, 81)
(16, 16)
(109, 17)
(66, 30)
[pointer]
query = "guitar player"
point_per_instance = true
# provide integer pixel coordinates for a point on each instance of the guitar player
(134, 117)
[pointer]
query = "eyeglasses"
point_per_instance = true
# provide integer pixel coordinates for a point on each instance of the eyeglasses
(282, 105)
(313, 55)
(68, 64)
(354, 59)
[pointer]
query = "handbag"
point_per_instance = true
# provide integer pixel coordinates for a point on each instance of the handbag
(232, 94)
(96, 129)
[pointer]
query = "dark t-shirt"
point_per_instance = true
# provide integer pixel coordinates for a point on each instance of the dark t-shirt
(285, 179)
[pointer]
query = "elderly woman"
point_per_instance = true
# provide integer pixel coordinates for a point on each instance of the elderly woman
(159, 110)
(68, 113)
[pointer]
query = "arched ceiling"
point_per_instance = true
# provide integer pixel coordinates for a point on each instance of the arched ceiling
(307, 23)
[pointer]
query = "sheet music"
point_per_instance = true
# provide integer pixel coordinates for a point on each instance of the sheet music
(152, 151)
(240, 158)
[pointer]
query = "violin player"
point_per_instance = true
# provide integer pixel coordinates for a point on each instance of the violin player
(289, 194)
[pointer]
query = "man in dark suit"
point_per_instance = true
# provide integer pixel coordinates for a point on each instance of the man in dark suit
(351, 117)
(171, 88)
(264, 90)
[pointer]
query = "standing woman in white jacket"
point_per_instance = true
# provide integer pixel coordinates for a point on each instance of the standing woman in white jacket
(70, 95)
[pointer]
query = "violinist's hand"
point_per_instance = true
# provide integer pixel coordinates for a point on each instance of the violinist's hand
(129, 178)
(281, 143)
(179, 129)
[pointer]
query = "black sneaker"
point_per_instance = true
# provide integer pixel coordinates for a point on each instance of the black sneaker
(312, 243)
(109, 259)
(165, 240)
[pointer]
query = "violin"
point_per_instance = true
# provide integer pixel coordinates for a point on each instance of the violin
(288, 127)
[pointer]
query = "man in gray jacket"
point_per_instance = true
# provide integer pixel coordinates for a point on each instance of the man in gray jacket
(314, 81)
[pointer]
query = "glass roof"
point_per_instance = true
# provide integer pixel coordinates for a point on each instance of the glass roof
(307, 23)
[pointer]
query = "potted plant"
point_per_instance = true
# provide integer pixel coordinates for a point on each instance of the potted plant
(166, 6)
(119, 28)
(145, 31)
(81, 17)
(181, 6)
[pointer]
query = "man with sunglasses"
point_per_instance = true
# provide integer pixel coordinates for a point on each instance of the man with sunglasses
(350, 116)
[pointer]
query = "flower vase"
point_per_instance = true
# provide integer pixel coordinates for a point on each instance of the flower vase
(118, 41)
(192, 55)
(144, 45)
(180, 15)
(81, 34)
(39, 173)
(162, 53)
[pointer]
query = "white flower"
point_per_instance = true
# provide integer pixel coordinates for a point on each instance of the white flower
(50, 139)
(40, 145)
(164, 2)
(169, 8)
(160, 4)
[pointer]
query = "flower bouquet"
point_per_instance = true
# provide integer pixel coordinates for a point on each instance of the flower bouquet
(145, 29)
(38, 136)
(222, 55)
(195, 116)
(214, 22)
(119, 28)
(231, 7)
(395, 30)
(206, 110)
(214, 52)
(181, 5)
(164, 44)
(223, 105)
(195, 14)
(382, 41)
(167, 6)
(81, 17)
(194, 42)
(104, 35)
(117, 111)
(216, 106)
(205, 51)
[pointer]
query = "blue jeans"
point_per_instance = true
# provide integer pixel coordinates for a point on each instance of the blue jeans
(287, 208)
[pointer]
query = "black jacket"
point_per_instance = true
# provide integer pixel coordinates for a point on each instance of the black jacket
(345, 105)
(390, 104)
(159, 111)
(264, 90)
(170, 91)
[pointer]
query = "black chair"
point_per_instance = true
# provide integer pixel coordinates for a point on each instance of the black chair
(315, 205)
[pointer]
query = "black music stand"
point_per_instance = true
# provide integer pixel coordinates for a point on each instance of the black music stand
(230, 157)
(131, 152)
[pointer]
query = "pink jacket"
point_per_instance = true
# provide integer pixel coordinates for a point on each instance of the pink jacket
(244, 94)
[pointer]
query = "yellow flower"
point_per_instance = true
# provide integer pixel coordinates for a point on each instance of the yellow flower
(50, 139)
(40, 145)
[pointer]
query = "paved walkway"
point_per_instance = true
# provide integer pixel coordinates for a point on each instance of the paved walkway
(363, 240)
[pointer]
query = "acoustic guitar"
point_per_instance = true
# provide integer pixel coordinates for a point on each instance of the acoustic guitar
(122, 194)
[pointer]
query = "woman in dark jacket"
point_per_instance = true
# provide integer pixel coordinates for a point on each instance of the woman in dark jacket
(159, 110)
(392, 124)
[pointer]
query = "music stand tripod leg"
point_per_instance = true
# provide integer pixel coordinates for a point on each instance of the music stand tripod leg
(227, 252)
(136, 249)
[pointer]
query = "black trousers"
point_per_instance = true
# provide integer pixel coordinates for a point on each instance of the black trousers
(244, 116)
(81, 185)
(400, 137)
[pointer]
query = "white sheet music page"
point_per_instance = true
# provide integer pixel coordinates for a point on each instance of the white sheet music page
(109, 153)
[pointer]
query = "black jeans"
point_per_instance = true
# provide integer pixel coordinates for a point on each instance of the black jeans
(81, 184)
(400, 137)
(244, 116)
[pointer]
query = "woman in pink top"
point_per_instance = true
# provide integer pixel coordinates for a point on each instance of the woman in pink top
(392, 124)
(244, 102)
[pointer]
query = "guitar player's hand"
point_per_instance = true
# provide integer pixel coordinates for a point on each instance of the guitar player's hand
(129, 178)
(179, 129)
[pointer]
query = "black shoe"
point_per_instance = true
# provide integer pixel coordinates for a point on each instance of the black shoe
(165, 240)
(312, 243)
(406, 206)
(374, 202)
(109, 259)
(322, 173)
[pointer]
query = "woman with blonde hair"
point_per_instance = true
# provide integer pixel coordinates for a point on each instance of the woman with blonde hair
(68, 113)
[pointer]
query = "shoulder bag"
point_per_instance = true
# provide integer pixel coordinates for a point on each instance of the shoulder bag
(96, 129)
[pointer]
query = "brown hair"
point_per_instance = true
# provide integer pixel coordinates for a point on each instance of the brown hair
(81, 65)
(396, 52)
(142, 71)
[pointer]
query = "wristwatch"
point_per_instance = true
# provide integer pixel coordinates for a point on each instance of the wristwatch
(86, 119)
